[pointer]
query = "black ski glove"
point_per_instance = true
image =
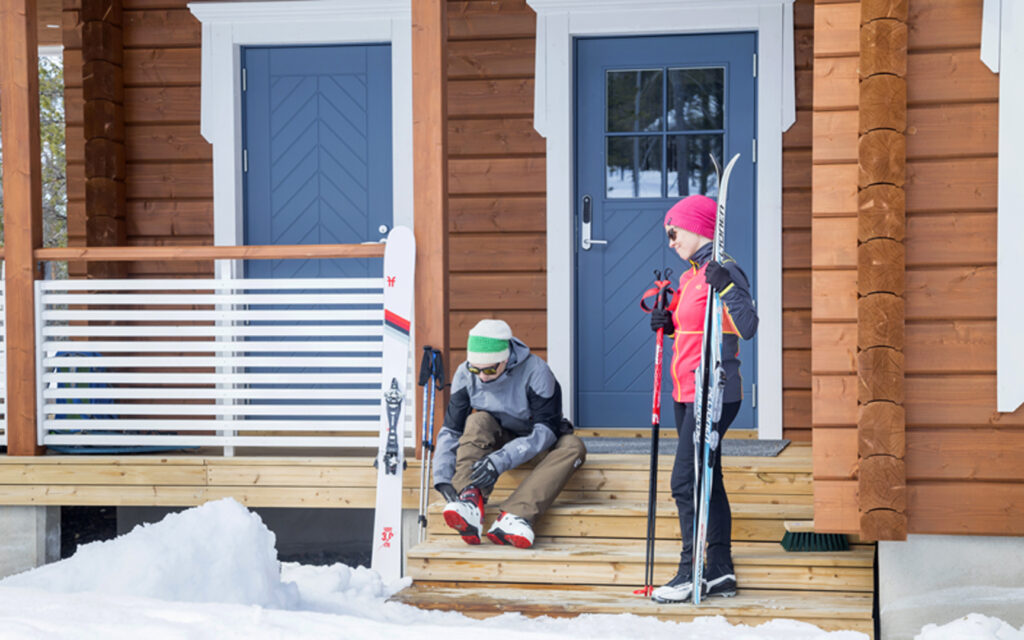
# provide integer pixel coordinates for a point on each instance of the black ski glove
(447, 491)
(485, 474)
(662, 319)
(717, 276)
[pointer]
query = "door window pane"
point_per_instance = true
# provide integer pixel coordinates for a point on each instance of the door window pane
(634, 100)
(634, 167)
(695, 99)
(690, 170)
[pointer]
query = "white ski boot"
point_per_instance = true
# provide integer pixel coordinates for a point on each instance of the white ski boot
(466, 515)
(678, 589)
(511, 529)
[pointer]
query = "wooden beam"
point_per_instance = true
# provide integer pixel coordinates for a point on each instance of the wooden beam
(881, 271)
(19, 103)
(430, 184)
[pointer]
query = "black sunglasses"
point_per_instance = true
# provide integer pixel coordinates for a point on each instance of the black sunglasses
(671, 233)
(487, 371)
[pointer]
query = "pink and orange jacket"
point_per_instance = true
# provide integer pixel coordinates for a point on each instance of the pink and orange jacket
(739, 320)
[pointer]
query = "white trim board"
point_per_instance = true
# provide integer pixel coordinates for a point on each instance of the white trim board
(1002, 49)
(558, 22)
(228, 26)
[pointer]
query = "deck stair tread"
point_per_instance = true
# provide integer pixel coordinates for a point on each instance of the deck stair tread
(618, 550)
(828, 610)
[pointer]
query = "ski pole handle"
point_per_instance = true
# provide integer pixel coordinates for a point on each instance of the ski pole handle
(426, 365)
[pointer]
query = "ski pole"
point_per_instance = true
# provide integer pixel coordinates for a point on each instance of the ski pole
(426, 373)
(661, 291)
(437, 384)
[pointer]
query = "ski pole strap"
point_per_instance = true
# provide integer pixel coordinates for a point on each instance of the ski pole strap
(661, 291)
(437, 369)
(426, 367)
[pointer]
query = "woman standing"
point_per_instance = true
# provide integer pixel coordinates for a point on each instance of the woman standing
(690, 226)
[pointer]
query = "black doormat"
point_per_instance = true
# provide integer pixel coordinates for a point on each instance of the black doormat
(667, 446)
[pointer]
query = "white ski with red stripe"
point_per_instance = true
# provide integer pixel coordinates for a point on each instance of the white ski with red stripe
(399, 269)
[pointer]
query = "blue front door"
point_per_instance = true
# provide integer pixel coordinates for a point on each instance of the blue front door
(317, 125)
(650, 110)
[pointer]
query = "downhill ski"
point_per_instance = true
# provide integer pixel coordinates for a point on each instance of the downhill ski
(399, 263)
(707, 401)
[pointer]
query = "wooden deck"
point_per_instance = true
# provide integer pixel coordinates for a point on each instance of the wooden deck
(589, 553)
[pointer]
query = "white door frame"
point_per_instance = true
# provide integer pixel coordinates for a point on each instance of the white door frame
(228, 26)
(558, 22)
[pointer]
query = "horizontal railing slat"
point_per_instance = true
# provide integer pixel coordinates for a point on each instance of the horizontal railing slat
(363, 332)
(200, 424)
(217, 441)
(177, 393)
(193, 315)
(206, 346)
(212, 378)
(270, 298)
(141, 409)
(199, 361)
(210, 284)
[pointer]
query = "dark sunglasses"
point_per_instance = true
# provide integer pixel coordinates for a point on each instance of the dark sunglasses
(671, 233)
(487, 371)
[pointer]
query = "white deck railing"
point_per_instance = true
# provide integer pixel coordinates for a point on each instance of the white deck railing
(210, 362)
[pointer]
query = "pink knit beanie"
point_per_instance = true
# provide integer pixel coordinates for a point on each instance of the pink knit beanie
(694, 213)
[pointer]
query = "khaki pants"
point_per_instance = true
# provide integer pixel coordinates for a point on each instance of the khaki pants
(545, 481)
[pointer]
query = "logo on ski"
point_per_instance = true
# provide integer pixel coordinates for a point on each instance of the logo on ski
(391, 280)
(386, 536)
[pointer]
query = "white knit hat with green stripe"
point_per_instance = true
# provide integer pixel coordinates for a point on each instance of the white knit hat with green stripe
(488, 342)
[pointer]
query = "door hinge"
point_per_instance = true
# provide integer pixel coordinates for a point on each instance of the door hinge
(245, 161)
(245, 80)
(753, 149)
(755, 65)
(753, 396)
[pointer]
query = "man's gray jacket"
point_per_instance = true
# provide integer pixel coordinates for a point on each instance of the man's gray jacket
(526, 400)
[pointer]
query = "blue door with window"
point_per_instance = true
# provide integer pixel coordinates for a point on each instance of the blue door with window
(318, 170)
(650, 110)
(317, 136)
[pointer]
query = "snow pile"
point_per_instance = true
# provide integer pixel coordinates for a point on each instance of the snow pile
(212, 572)
(971, 627)
(219, 552)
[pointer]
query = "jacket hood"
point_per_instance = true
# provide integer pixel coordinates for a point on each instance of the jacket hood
(520, 352)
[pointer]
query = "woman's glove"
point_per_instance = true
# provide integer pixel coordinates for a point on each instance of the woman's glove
(662, 319)
(717, 276)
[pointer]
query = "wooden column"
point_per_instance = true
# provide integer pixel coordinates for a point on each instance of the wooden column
(881, 273)
(23, 213)
(103, 94)
(430, 184)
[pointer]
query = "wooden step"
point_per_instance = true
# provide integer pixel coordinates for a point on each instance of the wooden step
(621, 562)
(623, 519)
(828, 610)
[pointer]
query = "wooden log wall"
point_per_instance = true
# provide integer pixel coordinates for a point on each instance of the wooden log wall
(168, 165)
(496, 174)
(796, 237)
(881, 275)
(834, 265)
(962, 459)
(103, 111)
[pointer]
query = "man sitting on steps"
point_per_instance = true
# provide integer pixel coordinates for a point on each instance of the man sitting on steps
(518, 417)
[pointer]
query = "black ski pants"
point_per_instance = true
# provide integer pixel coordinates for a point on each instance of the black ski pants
(720, 517)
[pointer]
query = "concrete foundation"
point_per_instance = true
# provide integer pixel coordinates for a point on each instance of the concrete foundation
(937, 579)
(29, 538)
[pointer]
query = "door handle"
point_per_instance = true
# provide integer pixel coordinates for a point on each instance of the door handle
(586, 240)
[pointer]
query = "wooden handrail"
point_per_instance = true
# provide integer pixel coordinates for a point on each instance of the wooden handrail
(252, 252)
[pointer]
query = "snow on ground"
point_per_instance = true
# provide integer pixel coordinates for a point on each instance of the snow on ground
(212, 572)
